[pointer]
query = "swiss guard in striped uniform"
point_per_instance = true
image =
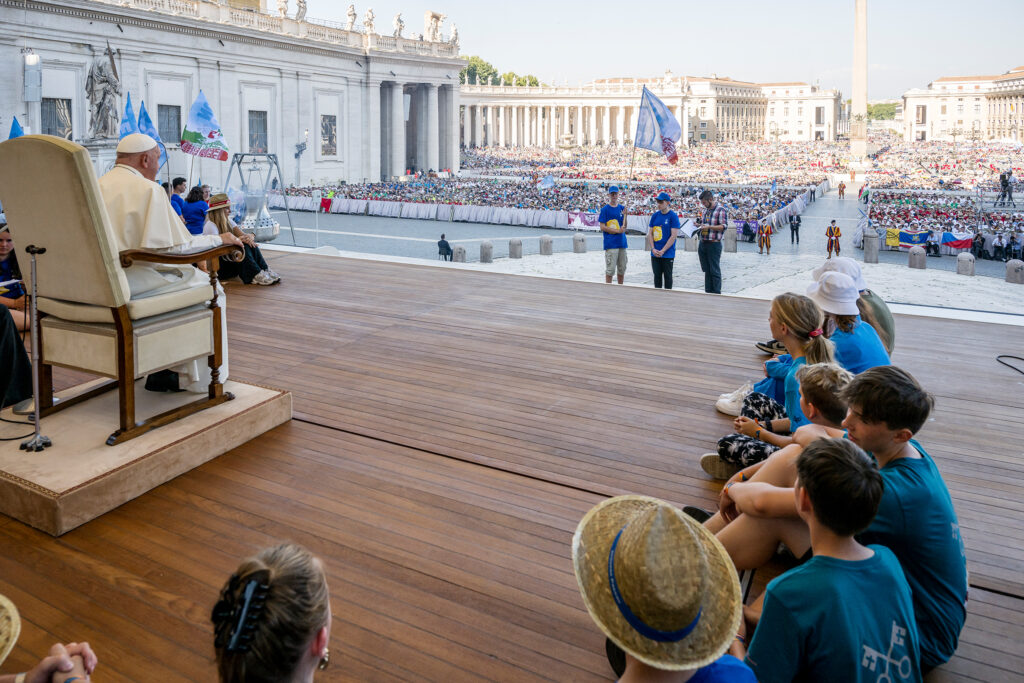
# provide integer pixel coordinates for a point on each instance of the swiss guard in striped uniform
(833, 235)
(764, 236)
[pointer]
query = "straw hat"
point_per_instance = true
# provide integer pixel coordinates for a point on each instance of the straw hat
(10, 627)
(219, 201)
(835, 293)
(677, 604)
(842, 264)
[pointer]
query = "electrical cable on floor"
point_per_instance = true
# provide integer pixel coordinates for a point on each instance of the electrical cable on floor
(999, 359)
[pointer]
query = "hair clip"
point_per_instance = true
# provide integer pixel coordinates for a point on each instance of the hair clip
(235, 623)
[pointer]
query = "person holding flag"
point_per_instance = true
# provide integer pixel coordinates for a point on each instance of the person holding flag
(661, 240)
(612, 221)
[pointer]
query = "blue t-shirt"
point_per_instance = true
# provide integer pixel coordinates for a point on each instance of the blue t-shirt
(838, 620)
(792, 390)
(661, 226)
(860, 349)
(916, 520)
(725, 669)
(617, 214)
(178, 203)
(194, 214)
(14, 291)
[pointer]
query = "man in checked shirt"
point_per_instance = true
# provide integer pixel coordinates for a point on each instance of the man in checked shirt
(709, 252)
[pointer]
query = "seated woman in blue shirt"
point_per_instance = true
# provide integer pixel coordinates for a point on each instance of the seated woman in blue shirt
(858, 346)
(13, 295)
(194, 211)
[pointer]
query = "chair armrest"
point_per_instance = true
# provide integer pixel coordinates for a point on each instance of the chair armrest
(128, 256)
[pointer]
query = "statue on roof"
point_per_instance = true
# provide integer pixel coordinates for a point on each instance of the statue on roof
(282, 7)
(351, 14)
(398, 25)
(300, 10)
(454, 38)
(432, 25)
(368, 20)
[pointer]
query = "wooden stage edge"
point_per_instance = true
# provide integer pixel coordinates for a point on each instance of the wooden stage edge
(450, 430)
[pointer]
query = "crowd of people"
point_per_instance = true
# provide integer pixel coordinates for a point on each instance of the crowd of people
(948, 166)
(789, 163)
(995, 234)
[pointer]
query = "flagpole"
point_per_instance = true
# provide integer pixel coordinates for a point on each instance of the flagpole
(632, 157)
(190, 171)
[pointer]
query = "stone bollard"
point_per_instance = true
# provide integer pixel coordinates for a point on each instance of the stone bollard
(871, 247)
(579, 244)
(459, 254)
(730, 240)
(1015, 271)
(546, 248)
(690, 244)
(486, 252)
(917, 258)
(965, 264)
(515, 248)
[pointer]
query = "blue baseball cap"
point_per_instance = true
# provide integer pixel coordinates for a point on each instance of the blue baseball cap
(614, 189)
(663, 197)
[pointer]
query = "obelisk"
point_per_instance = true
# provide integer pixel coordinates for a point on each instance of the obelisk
(859, 113)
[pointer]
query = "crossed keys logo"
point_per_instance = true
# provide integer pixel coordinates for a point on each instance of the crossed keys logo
(902, 666)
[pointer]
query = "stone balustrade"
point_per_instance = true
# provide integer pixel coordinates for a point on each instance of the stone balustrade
(312, 29)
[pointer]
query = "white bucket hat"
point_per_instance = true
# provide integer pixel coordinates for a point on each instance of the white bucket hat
(842, 264)
(835, 293)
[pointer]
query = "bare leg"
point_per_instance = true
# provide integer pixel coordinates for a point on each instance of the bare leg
(752, 541)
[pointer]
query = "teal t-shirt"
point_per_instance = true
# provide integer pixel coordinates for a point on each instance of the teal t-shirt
(792, 389)
(915, 520)
(838, 620)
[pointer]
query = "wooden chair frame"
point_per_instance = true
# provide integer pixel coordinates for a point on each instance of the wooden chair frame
(130, 428)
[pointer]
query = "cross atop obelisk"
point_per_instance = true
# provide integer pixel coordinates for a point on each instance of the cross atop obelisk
(859, 113)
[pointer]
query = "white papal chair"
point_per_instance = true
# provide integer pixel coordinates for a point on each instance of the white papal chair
(88, 320)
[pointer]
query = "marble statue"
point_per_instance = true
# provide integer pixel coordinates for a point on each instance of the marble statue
(282, 7)
(103, 87)
(351, 14)
(300, 10)
(399, 25)
(432, 25)
(368, 20)
(454, 39)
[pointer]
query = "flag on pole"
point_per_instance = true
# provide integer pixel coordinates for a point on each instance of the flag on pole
(16, 131)
(774, 185)
(128, 121)
(546, 183)
(202, 136)
(656, 127)
(146, 126)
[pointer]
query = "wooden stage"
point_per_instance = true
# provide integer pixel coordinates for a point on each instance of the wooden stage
(451, 427)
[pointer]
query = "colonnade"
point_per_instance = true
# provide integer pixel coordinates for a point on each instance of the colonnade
(547, 125)
(419, 127)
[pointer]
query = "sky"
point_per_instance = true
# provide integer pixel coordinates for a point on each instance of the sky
(910, 42)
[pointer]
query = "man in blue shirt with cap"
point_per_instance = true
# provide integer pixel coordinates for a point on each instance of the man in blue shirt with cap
(661, 240)
(612, 221)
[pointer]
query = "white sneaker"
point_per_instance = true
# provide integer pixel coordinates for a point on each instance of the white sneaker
(732, 404)
(263, 279)
(741, 392)
(271, 273)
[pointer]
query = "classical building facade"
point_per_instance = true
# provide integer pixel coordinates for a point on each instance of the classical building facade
(604, 111)
(333, 101)
(966, 107)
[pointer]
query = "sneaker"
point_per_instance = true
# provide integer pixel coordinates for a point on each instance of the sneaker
(717, 468)
(742, 391)
(773, 347)
(262, 278)
(732, 404)
(273, 274)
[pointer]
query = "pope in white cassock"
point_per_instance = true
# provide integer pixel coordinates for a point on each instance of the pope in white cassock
(141, 217)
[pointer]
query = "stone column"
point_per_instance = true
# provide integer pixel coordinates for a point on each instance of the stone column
(433, 132)
(606, 125)
(372, 140)
(501, 126)
(397, 130)
(859, 123)
(514, 127)
(467, 126)
(478, 126)
(623, 128)
(453, 102)
(871, 245)
(592, 125)
(492, 125)
(551, 126)
(418, 113)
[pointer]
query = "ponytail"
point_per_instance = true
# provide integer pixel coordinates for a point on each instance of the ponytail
(805, 321)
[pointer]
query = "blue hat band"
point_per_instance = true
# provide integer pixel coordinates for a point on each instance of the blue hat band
(633, 620)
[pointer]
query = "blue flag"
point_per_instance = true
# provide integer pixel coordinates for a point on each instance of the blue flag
(16, 131)
(547, 182)
(773, 185)
(146, 126)
(128, 124)
(656, 127)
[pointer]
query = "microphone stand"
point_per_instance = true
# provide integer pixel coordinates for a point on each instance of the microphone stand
(38, 442)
